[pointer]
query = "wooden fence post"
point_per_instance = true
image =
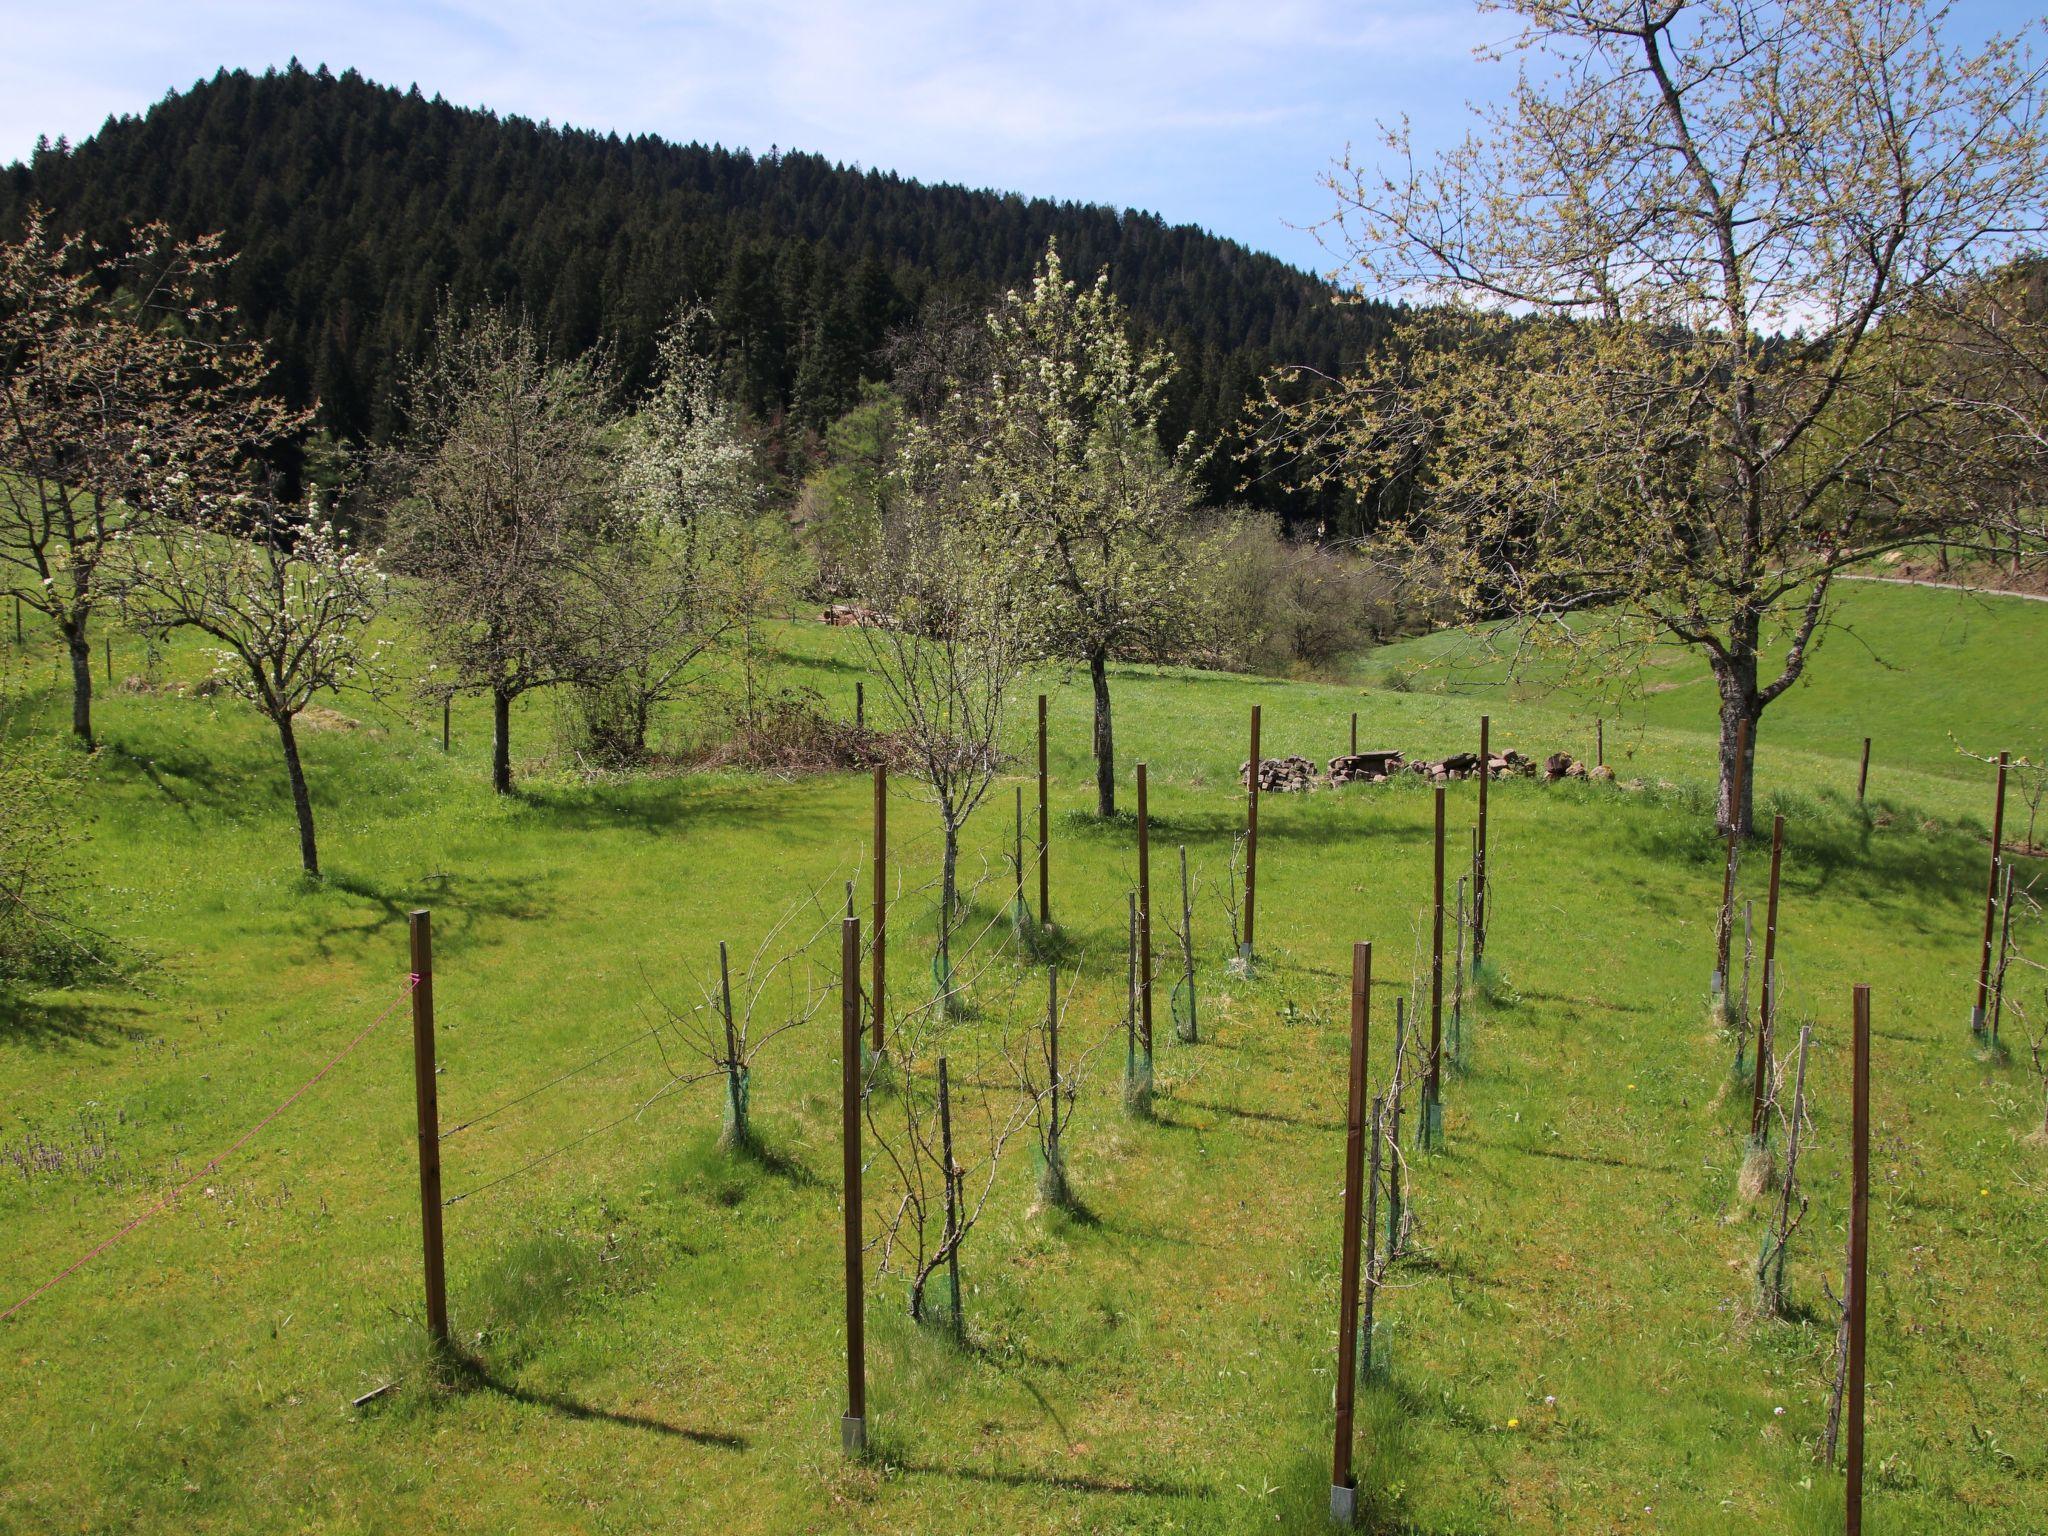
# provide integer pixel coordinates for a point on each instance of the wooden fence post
(1479, 866)
(1600, 743)
(1725, 929)
(447, 709)
(427, 1106)
(1430, 1132)
(1144, 913)
(860, 705)
(1343, 1484)
(1251, 844)
(1863, 773)
(1859, 1254)
(1044, 844)
(1354, 733)
(1990, 898)
(853, 1427)
(879, 960)
(1767, 1006)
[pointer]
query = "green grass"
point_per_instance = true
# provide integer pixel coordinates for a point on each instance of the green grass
(651, 1329)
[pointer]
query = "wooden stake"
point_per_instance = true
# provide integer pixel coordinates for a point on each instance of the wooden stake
(1479, 867)
(878, 961)
(1023, 912)
(1144, 913)
(735, 1102)
(1767, 1005)
(1863, 773)
(107, 650)
(2004, 958)
(853, 1427)
(1052, 1062)
(1394, 1092)
(1354, 733)
(1859, 1254)
(427, 1106)
(1044, 844)
(1990, 898)
(952, 1237)
(1726, 931)
(447, 709)
(1343, 1485)
(1251, 842)
(1600, 743)
(860, 705)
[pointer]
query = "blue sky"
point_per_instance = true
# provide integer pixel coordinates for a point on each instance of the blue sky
(1221, 114)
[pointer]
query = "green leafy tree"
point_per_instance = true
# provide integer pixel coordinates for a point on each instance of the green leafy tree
(1089, 515)
(1662, 386)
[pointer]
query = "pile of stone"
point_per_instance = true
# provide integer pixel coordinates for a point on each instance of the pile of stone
(1562, 765)
(1365, 767)
(850, 615)
(1465, 765)
(1282, 775)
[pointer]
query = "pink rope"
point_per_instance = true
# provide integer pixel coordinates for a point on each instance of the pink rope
(412, 980)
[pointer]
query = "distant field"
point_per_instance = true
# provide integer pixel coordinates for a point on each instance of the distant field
(653, 1329)
(1928, 675)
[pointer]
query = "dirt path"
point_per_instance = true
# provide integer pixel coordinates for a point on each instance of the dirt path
(1950, 586)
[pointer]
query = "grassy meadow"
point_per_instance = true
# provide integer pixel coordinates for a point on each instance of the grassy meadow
(650, 1328)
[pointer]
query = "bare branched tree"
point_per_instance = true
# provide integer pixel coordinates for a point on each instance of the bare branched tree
(948, 648)
(287, 601)
(941, 1187)
(790, 976)
(505, 513)
(1050, 1071)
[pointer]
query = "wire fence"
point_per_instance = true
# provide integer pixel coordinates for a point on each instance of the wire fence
(213, 1163)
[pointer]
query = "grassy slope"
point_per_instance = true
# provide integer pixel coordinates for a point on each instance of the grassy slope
(657, 1330)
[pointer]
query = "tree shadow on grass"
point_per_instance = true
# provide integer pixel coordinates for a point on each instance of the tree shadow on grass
(1823, 849)
(190, 781)
(1264, 1116)
(661, 805)
(466, 1372)
(1055, 1481)
(456, 902)
(48, 1022)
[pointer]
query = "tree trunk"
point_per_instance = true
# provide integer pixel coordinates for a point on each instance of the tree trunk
(1105, 736)
(949, 896)
(1736, 680)
(79, 644)
(302, 802)
(501, 741)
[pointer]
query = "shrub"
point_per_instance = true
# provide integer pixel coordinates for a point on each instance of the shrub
(1278, 605)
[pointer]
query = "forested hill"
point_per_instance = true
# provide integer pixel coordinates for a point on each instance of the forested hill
(356, 207)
